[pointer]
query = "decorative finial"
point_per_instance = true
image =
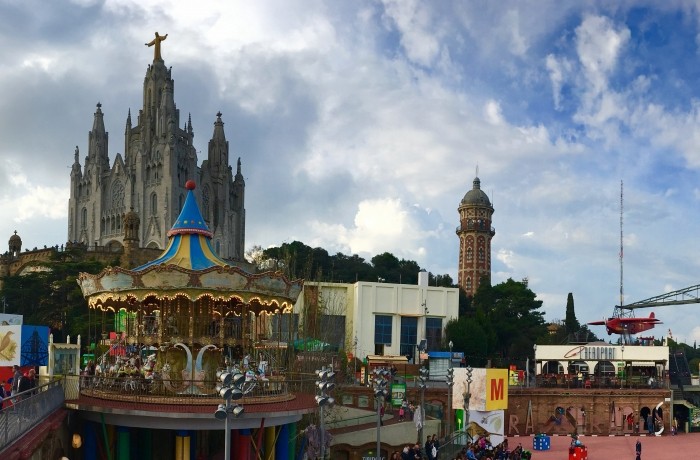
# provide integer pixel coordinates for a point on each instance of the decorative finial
(190, 185)
(218, 114)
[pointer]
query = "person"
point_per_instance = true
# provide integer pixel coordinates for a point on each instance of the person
(638, 450)
(436, 447)
(14, 388)
(429, 447)
(674, 427)
(2, 394)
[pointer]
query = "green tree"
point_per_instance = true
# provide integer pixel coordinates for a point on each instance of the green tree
(511, 310)
(571, 323)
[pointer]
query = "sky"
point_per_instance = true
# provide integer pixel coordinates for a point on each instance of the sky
(361, 125)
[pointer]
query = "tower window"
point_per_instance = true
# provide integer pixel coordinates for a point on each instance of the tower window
(470, 254)
(481, 254)
(469, 284)
(154, 204)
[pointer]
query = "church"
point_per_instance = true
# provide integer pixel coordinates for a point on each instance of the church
(146, 185)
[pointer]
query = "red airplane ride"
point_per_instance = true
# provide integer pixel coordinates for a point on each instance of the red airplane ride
(627, 326)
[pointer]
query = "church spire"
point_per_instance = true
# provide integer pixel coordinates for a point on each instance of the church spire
(99, 141)
(218, 146)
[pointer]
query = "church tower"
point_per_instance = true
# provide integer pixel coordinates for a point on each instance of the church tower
(475, 233)
(149, 179)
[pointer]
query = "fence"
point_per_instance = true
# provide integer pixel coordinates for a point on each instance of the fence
(24, 411)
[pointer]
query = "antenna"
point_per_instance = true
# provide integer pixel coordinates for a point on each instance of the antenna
(622, 286)
(477, 170)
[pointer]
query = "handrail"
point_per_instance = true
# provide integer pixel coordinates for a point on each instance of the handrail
(23, 411)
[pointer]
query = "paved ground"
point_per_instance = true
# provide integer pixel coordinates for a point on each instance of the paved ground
(681, 446)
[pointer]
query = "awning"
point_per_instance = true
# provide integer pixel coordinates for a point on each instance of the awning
(643, 364)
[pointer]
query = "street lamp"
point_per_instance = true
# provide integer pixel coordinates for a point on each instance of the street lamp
(624, 366)
(380, 393)
(534, 366)
(422, 378)
(354, 361)
(467, 398)
(324, 384)
(229, 388)
(450, 381)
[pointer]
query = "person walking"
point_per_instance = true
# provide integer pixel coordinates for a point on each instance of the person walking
(429, 447)
(638, 450)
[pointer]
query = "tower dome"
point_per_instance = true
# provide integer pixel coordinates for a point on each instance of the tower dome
(15, 244)
(476, 196)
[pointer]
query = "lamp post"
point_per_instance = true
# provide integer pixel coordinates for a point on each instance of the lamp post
(229, 388)
(450, 381)
(534, 365)
(624, 366)
(324, 384)
(467, 398)
(380, 393)
(422, 378)
(354, 361)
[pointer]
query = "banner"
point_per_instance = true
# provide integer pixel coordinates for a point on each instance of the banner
(398, 393)
(10, 348)
(7, 319)
(488, 389)
(35, 346)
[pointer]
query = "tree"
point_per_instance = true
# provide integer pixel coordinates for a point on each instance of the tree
(468, 336)
(512, 312)
(571, 323)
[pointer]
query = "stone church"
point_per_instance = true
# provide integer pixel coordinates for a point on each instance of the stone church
(147, 183)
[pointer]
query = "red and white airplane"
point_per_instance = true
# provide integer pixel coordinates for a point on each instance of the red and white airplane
(627, 326)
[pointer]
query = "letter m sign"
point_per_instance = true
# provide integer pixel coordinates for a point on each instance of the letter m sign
(496, 389)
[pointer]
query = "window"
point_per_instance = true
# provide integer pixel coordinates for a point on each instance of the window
(154, 204)
(481, 254)
(470, 254)
(382, 329)
(433, 332)
(409, 335)
(469, 284)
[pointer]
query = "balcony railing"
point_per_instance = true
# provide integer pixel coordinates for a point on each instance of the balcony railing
(25, 410)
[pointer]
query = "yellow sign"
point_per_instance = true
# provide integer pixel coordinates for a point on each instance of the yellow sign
(496, 389)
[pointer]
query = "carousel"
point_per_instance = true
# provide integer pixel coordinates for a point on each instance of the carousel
(171, 324)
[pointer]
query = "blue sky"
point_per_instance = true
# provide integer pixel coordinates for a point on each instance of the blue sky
(360, 126)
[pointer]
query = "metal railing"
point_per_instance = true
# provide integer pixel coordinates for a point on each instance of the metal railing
(25, 410)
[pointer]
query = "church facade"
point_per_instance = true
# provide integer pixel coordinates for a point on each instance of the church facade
(147, 183)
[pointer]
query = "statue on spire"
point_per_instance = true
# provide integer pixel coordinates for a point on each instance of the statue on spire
(156, 42)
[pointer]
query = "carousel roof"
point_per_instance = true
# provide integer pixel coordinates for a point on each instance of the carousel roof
(189, 244)
(189, 267)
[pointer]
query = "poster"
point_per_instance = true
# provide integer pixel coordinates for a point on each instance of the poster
(35, 346)
(10, 345)
(398, 393)
(10, 320)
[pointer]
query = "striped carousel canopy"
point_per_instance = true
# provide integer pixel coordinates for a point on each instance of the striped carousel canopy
(189, 243)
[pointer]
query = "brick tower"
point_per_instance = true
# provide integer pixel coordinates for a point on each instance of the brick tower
(475, 233)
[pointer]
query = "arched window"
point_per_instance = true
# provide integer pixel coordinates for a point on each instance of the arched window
(470, 254)
(468, 284)
(481, 254)
(83, 218)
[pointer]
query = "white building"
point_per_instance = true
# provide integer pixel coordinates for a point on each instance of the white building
(367, 318)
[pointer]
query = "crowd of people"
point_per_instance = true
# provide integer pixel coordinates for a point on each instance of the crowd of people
(20, 382)
(480, 449)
